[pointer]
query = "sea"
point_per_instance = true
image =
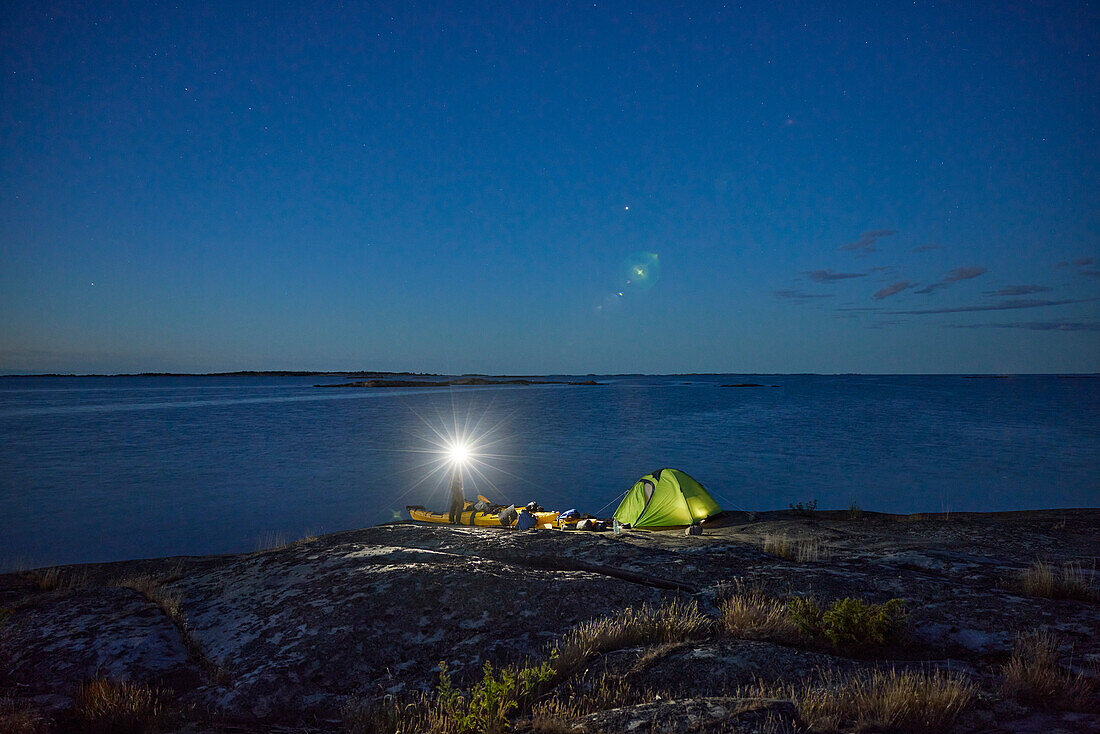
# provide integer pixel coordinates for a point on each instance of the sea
(111, 468)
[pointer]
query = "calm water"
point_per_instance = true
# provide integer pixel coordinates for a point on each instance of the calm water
(95, 469)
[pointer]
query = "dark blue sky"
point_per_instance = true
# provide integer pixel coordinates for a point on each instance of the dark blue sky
(470, 187)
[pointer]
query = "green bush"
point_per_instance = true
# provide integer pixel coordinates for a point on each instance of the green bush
(806, 616)
(850, 623)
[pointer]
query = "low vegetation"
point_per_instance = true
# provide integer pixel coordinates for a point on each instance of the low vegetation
(804, 508)
(505, 693)
(753, 615)
(582, 697)
(153, 589)
(910, 701)
(801, 551)
(1032, 675)
(851, 625)
(16, 718)
(855, 512)
(105, 706)
(671, 622)
(55, 579)
(488, 707)
(1069, 581)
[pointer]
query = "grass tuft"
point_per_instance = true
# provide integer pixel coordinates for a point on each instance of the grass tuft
(910, 701)
(802, 551)
(855, 512)
(751, 614)
(1033, 675)
(1070, 581)
(151, 588)
(17, 718)
(168, 601)
(116, 707)
(53, 579)
(671, 622)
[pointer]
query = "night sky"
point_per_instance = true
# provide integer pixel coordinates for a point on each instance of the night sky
(550, 187)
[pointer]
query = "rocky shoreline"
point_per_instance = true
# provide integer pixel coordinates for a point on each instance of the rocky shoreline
(287, 637)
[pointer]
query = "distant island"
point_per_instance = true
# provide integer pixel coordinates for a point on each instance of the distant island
(458, 381)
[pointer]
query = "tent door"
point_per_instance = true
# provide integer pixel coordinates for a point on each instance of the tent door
(647, 489)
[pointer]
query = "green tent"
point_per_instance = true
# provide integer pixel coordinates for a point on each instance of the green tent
(666, 498)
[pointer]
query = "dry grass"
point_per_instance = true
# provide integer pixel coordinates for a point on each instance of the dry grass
(911, 701)
(671, 622)
(801, 551)
(751, 614)
(270, 541)
(16, 718)
(117, 707)
(503, 694)
(55, 579)
(1070, 581)
(580, 698)
(151, 588)
(1034, 676)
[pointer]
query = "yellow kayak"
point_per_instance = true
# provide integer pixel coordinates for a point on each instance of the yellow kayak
(490, 519)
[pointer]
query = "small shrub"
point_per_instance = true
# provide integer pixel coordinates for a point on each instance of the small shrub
(1034, 676)
(487, 708)
(1070, 581)
(805, 615)
(855, 512)
(848, 623)
(115, 707)
(851, 622)
(804, 509)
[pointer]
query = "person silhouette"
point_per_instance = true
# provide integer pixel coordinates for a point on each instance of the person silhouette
(458, 502)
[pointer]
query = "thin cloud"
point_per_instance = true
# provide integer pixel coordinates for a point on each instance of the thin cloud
(799, 295)
(885, 269)
(1080, 262)
(893, 289)
(1018, 290)
(954, 276)
(1036, 326)
(1089, 273)
(1002, 306)
(826, 276)
(927, 248)
(866, 241)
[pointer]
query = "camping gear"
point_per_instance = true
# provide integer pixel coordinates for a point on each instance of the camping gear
(486, 519)
(526, 520)
(666, 498)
